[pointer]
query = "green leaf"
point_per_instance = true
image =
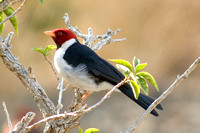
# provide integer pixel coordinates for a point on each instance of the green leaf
(48, 48)
(149, 78)
(40, 50)
(123, 69)
(80, 130)
(11, 8)
(140, 67)
(124, 63)
(1, 1)
(1, 19)
(136, 61)
(135, 87)
(91, 130)
(9, 11)
(41, 1)
(143, 84)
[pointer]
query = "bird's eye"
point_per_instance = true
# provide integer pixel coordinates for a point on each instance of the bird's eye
(60, 33)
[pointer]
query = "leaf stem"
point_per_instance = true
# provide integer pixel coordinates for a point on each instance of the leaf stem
(52, 67)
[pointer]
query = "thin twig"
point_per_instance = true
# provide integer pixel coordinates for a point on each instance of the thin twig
(8, 117)
(56, 117)
(104, 42)
(53, 68)
(53, 117)
(18, 9)
(61, 89)
(163, 96)
(60, 85)
(89, 38)
(75, 30)
(21, 125)
(105, 96)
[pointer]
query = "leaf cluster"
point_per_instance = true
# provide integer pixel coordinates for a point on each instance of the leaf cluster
(13, 20)
(45, 51)
(137, 78)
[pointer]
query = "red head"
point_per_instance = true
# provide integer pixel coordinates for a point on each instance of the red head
(61, 35)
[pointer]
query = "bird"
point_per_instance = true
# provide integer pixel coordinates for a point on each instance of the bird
(83, 68)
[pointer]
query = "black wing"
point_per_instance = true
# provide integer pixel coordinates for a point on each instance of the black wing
(105, 71)
(97, 67)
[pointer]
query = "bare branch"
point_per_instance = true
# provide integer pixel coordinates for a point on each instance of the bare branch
(21, 126)
(75, 30)
(66, 117)
(89, 38)
(77, 102)
(164, 95)
(104, 42)
(8, 117)
(45, 105)
(77, 105)
(19, 8)
(47, 119)
(61, 90)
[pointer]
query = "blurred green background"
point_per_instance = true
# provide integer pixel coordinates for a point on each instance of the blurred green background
(166, 34)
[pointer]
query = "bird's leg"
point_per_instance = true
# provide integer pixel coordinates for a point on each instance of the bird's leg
(87, 93)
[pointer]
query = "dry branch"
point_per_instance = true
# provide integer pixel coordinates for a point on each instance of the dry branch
(7, 116)
(164, 95)
(47, 119)
(75, 114)
(21, 126)
(90, 39)
(45, 105)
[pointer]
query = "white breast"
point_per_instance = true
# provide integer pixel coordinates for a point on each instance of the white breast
(77, 76)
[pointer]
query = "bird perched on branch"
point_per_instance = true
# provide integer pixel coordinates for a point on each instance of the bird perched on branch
(83, 68)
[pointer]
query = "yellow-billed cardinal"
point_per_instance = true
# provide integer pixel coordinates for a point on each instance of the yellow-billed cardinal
(83, 68)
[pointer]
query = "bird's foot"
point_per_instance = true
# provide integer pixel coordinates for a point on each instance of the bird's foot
(85, 95)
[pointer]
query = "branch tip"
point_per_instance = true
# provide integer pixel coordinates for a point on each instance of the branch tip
(7, 116)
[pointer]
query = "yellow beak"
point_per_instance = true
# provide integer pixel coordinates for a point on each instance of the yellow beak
(49, 33)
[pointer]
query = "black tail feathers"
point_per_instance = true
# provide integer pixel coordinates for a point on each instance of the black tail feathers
(143, 100)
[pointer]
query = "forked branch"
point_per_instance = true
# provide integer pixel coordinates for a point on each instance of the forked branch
(90, 39)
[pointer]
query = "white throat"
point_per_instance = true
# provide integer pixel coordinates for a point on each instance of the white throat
(67, 44)
(59, 62)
